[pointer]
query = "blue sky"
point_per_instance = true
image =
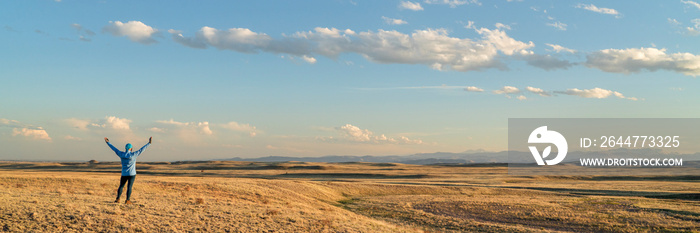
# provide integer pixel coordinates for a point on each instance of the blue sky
(219, 79)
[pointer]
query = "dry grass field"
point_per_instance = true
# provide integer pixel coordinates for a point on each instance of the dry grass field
(221, 196)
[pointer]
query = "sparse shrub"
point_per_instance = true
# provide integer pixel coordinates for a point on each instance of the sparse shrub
(188, 188)
(273, 212)
(19, 185)
(325, 222)
(199, 201)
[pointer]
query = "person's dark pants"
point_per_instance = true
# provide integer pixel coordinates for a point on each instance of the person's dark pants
(128, 190)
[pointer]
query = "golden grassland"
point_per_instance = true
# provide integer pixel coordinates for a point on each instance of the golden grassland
(218, 196)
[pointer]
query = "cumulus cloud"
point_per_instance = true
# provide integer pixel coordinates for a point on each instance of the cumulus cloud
(356, 134)
(597, 93)
(521, 97)
(392, 21)
(188, 127)
(691, 3)
(558, 25)
(245, 128)
(36, 134)
(695, 29)
(501, 26)
(8, 122)
(507, 90)
(453, 3)
(26, 130)
(310, 60)
(559, 48)
(635, 60)
(473, 89)
(117, 123)
(134, 30)
(602, 10)
(538, 91)
(430, 47)
(414, 6)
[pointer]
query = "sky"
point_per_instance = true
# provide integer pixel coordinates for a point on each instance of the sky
(222, 79)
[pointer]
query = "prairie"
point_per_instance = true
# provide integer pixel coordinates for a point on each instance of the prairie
(228, 196)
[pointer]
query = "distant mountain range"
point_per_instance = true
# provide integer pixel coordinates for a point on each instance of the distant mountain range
(474, 157)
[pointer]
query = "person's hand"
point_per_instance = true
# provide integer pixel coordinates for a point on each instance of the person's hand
(150, 139)
(106, 139)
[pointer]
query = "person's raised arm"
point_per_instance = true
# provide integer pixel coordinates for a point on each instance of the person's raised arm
(138, 152)
(111, 146)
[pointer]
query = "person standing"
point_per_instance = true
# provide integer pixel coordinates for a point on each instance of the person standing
(128, 159)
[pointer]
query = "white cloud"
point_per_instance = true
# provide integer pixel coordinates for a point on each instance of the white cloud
(354, 133)
(500, 25)
(245, 128)
(156, 130)
(430, 47)
(135, 30)
(453, 3)
(538, 91)
(691, 3)
(189, 127)
(117, 123)
(504, 43)
(36, 134)
(470, 25)
(673, 21)
(8, 122)
(635, 60)
(559, 48)
(310, 60)
(521, 97)
(238, 39)
(414, 6)
(507, 90)
(695, 29)
(392, 21)
(558, 25)
(20, 129)
(591, 7)
(109, 122)
(473, 89)
(597, 93)
(71, 138)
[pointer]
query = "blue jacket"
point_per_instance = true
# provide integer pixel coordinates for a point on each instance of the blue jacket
(128, 159)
